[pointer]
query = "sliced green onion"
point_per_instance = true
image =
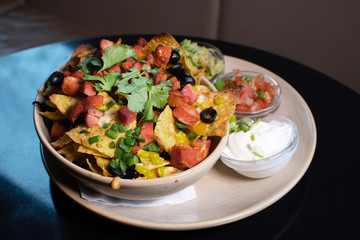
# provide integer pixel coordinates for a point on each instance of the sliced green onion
(122, 128)
(111, 103)
(106, 125)
(94, 139)
(112, 145)
(84, 131)
(191, 136)
(246, 78)
(153, 147)
(121, 101)
(258, 151)
(132, 161)
(115, 127)
(130, 141)
(119, 153)
(111, 134)
(261, 94)
(252, 136)
(181, 125)
(140, 139)
(101, 108)
(219, 84)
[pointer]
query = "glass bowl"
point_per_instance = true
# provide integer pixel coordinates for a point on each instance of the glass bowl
(216, 53)
(245, 102)
(267, 166)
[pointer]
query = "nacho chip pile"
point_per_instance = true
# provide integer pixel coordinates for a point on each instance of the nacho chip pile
(136, 112)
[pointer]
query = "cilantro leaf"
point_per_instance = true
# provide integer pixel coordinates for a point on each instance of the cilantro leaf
(115, 54)
(158, 96)
(159, 93)
(89, 64)
(137, 81)
(106, 82)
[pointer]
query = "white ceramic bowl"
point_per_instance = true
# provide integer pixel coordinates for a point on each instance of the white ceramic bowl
(131, 189)
(276, 100)
(267, 166)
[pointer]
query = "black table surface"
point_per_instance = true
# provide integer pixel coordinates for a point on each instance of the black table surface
(324, 204)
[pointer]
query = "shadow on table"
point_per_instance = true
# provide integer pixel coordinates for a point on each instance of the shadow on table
(77, 222)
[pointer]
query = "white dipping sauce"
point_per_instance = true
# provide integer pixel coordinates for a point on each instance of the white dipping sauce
(263, 140)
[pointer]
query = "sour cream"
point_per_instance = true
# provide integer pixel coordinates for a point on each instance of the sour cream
(263, 140)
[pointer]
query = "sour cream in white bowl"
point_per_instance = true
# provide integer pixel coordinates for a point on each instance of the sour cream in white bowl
(263, 147)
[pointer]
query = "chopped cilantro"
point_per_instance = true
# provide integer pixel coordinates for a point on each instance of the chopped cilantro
(115, 54)
(106, 82)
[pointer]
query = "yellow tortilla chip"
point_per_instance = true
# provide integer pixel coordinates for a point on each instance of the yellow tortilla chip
(224, 102)
(103, 145)
(70, 153)
(165, 130)
(93, 167)
(147, 163)
(83, 149)
(164, 39)
(56, 115)
(61, 142)
(64, 103)
(103, 164)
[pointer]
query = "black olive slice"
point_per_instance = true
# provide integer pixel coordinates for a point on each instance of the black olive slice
(174, 69)
(208, 115)
(56, 78)
(174, 58)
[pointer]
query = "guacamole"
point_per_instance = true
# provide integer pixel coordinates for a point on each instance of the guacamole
(201, 56)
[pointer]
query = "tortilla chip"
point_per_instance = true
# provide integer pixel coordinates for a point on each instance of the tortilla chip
(61, 142)
(93, 166)
(165, 130)
(103, 145)
(64, 103)
(70, 153)
(147, 163)
(164, 39)
(90, 151)
(224, 102)
(103, 164)
(56, 115)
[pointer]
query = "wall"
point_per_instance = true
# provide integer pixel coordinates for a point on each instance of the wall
(324, 35)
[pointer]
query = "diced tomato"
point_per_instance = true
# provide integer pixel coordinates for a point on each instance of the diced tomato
(115, 68)
(92, 117)
(187, 114)
(190, 92)
(135, 149)
(130, 63)
(57, 130)
(141, 41)
(162, 56)
(175, 83)
(85, 104)
(104, 43)
(89, 89)
(160, 76)
(125, 116)
(149, 59)
(176, 99)
(185, 156)
(147, 132)
(138, 49)
(72, 86)
(204, 147)
(78, 74)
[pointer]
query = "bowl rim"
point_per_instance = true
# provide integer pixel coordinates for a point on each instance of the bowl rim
(271, 108)
(211, 159)
(291, 146)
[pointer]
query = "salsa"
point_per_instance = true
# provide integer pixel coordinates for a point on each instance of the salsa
(256, 92)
